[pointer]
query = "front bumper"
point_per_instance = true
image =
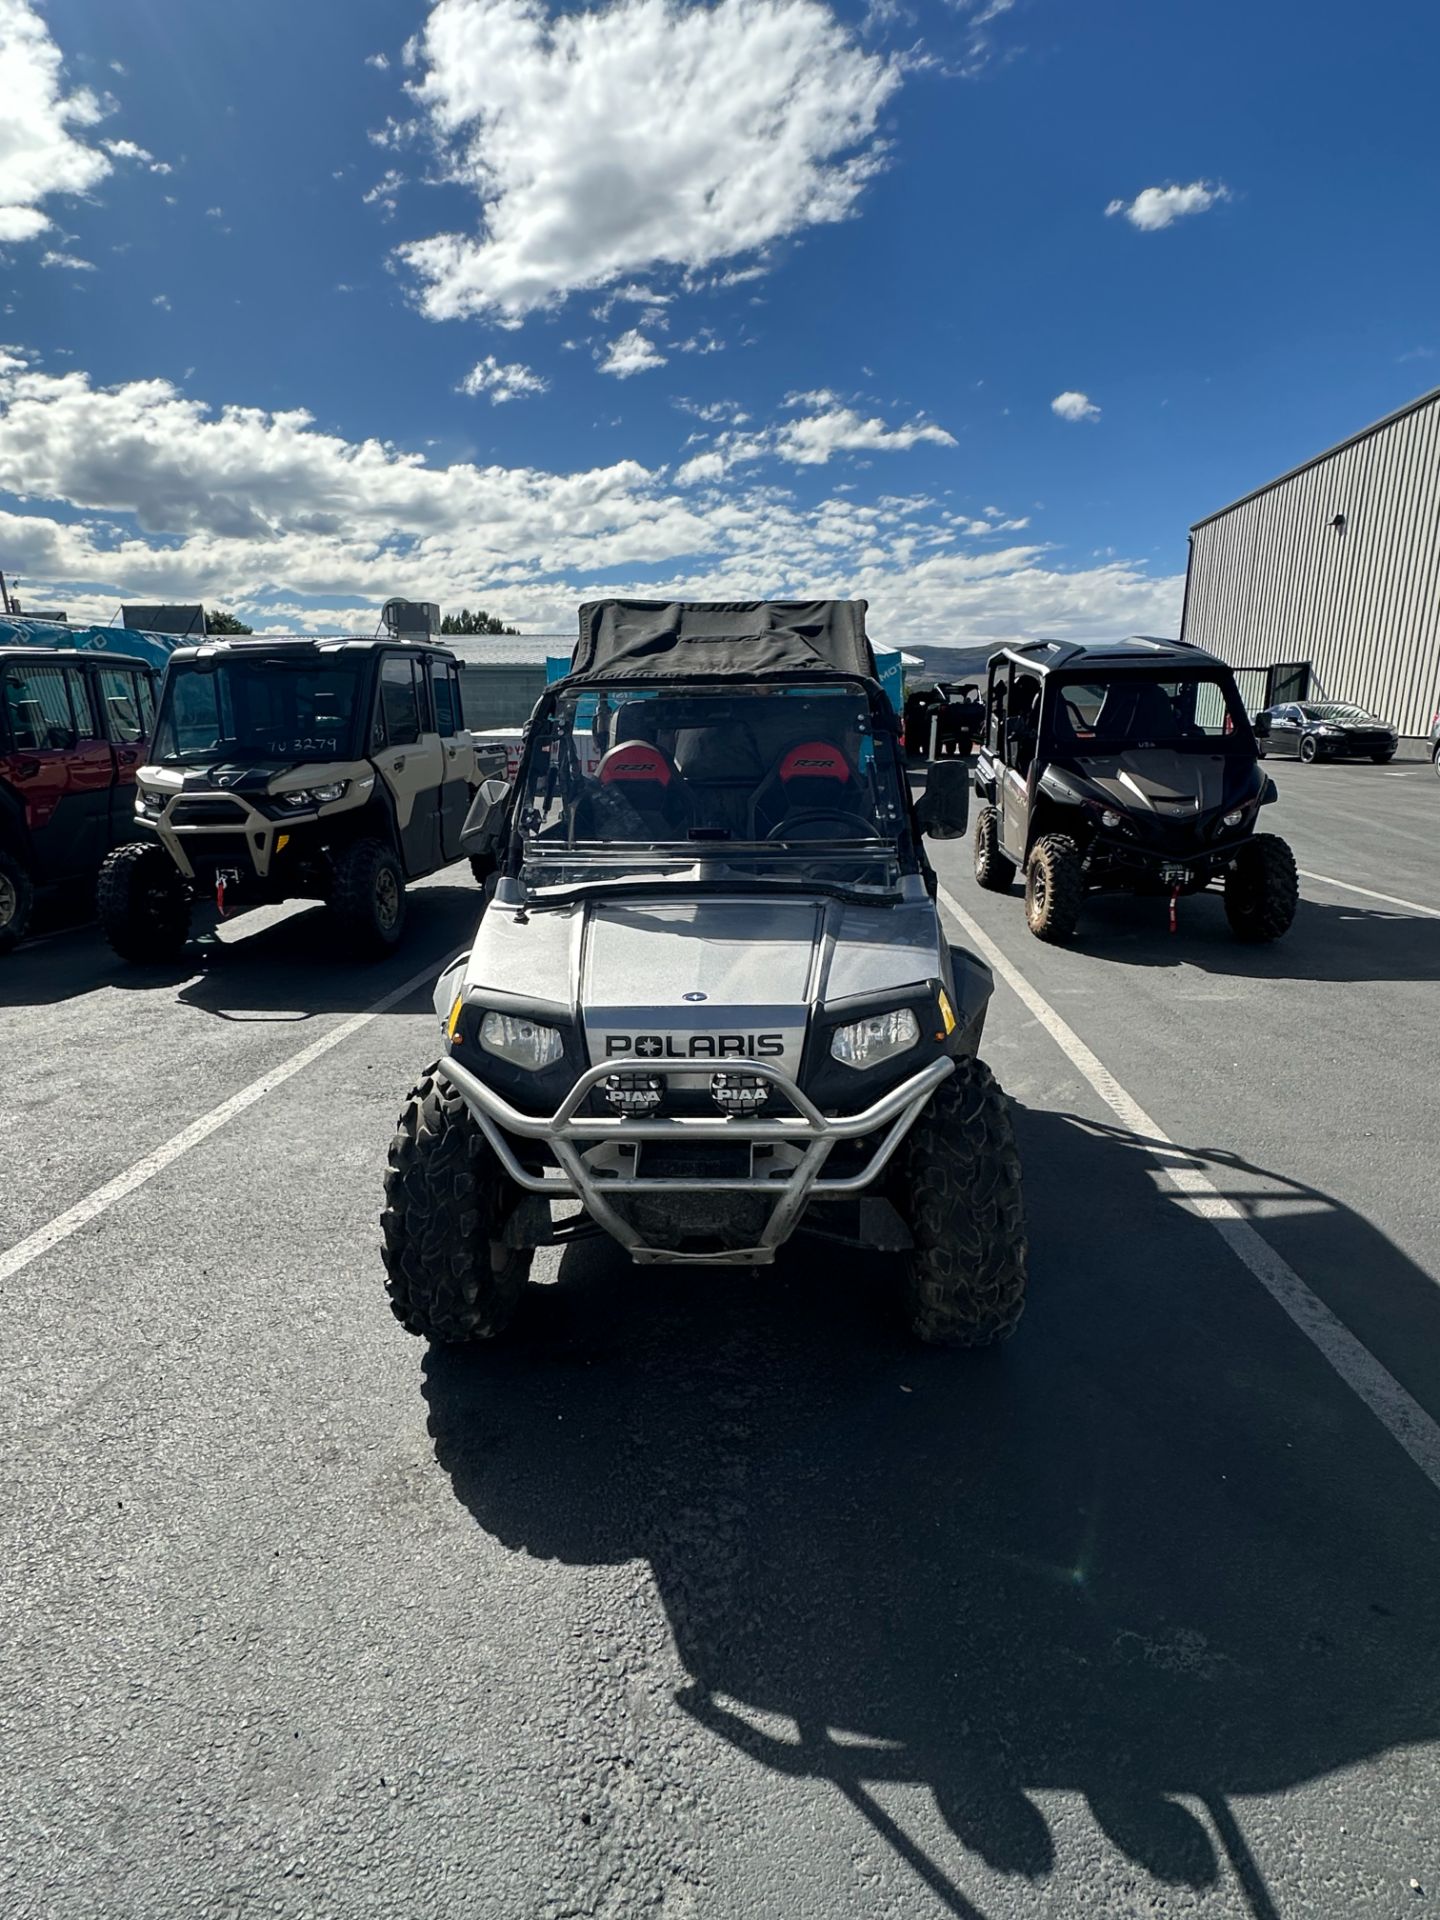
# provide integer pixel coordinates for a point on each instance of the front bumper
(793, 1176)
(1126, 861)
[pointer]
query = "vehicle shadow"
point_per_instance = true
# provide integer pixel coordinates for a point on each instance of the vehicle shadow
(296, 968)
(1153, 1552)
(1326, 942)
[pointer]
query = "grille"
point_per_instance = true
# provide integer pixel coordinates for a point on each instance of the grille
(218, 812)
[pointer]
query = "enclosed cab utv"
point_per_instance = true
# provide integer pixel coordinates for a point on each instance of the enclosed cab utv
(1127, 766)
(710, 997)
(335, 770)
(73, 728)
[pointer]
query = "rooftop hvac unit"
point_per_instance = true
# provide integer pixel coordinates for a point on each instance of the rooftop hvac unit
(411, 619)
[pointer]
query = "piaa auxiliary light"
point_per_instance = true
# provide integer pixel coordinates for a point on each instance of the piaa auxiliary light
(739, 1093)
(634, 1093)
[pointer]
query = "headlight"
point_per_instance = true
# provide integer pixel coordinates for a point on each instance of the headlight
(1330, 732)
(524, 1043)
(151, 803)
(865, 1043)
(1110, 818)
(314, 796)
(1234, 819)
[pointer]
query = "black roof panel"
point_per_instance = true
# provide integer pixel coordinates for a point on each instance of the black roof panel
(746, 639)
(1131, 650)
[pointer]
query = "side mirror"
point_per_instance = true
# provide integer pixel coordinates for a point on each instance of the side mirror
(484, 826)
(1268, 791)
(943, 810)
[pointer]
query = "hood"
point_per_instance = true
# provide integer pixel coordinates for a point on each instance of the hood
(700, 979)
(729, 979)
(1165, 785)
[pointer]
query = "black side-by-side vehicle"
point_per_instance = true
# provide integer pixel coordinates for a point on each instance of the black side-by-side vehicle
(1125, 766)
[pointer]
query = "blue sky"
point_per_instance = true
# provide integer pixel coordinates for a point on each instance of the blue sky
(766, 297)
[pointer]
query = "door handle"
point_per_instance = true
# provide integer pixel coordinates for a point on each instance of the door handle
(451, 752)
(398, 763)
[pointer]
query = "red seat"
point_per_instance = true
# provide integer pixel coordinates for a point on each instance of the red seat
(813, 775)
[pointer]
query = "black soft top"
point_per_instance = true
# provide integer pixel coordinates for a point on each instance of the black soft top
(733, 639)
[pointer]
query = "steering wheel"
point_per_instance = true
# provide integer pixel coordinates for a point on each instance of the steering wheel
(851, 826)
(1077, 718)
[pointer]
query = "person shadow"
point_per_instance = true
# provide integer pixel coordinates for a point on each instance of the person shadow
(1152, 1552)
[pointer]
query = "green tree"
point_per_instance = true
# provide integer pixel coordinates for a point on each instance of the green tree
(479, 622)
(221, 622)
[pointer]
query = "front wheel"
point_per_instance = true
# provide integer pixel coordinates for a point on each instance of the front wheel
(1262, 889)
(1054, 887)
(17, 898)
(1309, 749)
(1435, 760)
(143, 904)
(992, 869)
(958, 1186)
(449, 1277)
(368, 896)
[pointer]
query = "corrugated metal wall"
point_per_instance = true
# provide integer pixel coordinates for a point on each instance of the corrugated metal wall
(499, 694)
(1271, 581)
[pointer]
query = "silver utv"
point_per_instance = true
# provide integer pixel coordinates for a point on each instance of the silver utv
(710, 1000)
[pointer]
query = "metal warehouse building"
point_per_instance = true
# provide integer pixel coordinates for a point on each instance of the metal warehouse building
(1326, 582)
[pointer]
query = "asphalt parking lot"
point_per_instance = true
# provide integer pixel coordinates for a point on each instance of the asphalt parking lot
(710, 1596)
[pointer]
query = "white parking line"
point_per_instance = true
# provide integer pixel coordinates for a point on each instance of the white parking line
(1398, 1411)
(84, 1211)
(1390, 899)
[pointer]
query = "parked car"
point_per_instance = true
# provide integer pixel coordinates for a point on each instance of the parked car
(711, 998)
(1125, 766)
(287, 769)
(1324, 730)
(949, 713)
(73, 729)
(1435, 740)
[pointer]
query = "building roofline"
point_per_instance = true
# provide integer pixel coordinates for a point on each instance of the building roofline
(1317, 459)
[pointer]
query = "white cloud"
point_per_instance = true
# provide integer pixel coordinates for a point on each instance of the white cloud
(502, 383)
(631, 353)
(1158, 207)
(126, 150)
(161, 300)
(380, 62)
(70, 260)
(1074, 406)
(812, 440)
(639, 135)
(714, 412)
(161, 495)
(39, 153)
(385, 188)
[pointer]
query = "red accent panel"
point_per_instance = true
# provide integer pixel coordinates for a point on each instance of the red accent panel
(815, 760)
(635, 760)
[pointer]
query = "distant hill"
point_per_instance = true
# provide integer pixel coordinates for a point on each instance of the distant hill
(948, 663)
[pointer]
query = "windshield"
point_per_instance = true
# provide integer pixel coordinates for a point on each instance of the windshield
(1335, 710)
(769, 785)
(1199, 713)
(264, 709)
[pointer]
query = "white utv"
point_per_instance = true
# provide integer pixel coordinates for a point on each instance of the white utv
(710, 998)
(286, 769)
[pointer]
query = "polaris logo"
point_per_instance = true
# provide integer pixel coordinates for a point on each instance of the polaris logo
(695, 1046)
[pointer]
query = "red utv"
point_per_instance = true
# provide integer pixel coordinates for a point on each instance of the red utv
(73, 728)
